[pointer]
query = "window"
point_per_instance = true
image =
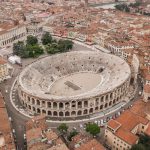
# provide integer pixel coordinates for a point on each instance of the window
(142, 127)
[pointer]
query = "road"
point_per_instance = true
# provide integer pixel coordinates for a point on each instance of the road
(18, 120)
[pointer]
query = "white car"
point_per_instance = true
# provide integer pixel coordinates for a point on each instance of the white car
(13, 130)
(81, 126)
(24, 136)
(102, 121)
(140, 93)
(10, 119)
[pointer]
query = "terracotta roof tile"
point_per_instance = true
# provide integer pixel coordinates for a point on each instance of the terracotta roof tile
(91, 145)
(127, 136)
(113, 124)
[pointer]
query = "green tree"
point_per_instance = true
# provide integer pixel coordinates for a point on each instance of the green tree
(138, 147)
(63, 128)
(46, 38)
(32, 40)
(52, 48)
(18, 48)
(93, 129)
(143, 144)
(34, 50)
(65, 45)
(72, 134)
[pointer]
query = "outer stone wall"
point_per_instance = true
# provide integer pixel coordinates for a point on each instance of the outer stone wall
(37, 78)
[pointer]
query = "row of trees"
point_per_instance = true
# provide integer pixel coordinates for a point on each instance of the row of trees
(53, 46)
(91, 128)
(30, 49)
(123, 7)
(126, 8)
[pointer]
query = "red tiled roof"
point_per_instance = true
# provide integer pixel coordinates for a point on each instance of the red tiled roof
(91, 145)
(113, 124)
(128, 120)
(127, 136)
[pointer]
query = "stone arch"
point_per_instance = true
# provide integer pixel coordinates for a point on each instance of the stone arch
(110, 103)
(102, 98)
(73, 104)
(106, 98)
(38, 110)
(67, 113)
(85, 103)
(85, 111)
(33, 109)
(96, 108)
(106, 105)
(111, 95)
(49, 113)
(61, 114)
(67, 105)
(28, 99)
(43, 103)
(43, 111)
(79, 112)
(29, 107)
(49, 104)
(114, 101)
(73, 113)
(38, 102)
(91, 110)
(79, 104)
(54, 105)
(118, 99)
(55, 113)
(61, 105)
(33, 101)
(101, 107)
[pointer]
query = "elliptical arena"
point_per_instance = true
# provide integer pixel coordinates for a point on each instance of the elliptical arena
(74, 84)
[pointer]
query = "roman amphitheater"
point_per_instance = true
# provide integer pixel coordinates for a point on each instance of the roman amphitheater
(74, 84)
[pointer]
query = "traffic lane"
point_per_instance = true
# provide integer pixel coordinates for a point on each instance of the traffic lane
(17, 118)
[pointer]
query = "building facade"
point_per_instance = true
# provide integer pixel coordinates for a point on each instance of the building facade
(10, 33)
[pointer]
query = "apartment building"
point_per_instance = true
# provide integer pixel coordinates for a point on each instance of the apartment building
(11, 33)
(121, 133)
(6, 137)
(40, 137)
(84, 142)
